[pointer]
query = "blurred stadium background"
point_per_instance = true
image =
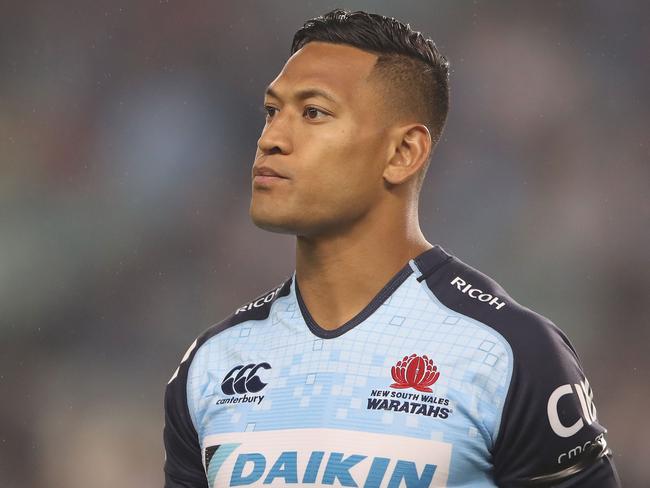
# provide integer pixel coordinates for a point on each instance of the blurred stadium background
(127, 132)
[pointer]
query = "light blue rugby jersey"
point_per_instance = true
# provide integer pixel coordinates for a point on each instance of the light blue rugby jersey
(441, 380)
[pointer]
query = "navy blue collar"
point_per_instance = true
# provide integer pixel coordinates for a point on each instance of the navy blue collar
(427, 262)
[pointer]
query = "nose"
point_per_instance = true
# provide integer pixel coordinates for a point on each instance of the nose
(276, 136)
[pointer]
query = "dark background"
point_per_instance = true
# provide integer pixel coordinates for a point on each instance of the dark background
(127, 133)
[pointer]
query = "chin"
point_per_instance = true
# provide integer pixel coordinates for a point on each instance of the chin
(304, 224)
(272, 223)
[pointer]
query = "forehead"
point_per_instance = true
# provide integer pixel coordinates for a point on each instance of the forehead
(340, 69)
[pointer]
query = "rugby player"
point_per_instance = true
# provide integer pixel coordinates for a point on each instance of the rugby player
(383, 360)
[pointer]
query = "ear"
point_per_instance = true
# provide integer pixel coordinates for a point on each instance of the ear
(412, 148)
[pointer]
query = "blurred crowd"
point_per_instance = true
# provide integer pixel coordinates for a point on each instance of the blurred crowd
(127, 133)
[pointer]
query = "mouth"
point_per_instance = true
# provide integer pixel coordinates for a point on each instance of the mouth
(265, 176)
(264, 181)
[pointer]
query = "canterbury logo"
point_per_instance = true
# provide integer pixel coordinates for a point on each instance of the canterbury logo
(244, 379)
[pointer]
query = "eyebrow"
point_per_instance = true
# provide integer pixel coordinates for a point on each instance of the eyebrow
(304, 94)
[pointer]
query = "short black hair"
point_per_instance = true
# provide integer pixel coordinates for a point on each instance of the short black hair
(415, 71)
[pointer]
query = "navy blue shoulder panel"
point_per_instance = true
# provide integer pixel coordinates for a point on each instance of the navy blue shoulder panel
(183, 464)
(549, 432)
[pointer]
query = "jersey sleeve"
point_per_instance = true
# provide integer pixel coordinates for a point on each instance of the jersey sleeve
(548, 433)
(183, 464)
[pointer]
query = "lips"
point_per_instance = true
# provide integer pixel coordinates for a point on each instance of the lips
(266, 171)
(265, 177)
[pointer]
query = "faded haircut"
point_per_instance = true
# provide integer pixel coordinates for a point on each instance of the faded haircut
(414, 73)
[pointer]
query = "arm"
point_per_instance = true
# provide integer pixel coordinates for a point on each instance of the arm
(550, 434)
(183, 464)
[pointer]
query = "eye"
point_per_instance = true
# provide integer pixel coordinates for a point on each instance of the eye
(268, 111)
(312, 113)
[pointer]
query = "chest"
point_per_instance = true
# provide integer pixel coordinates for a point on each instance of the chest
(367, 409)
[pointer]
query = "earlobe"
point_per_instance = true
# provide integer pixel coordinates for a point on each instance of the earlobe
(397, 169)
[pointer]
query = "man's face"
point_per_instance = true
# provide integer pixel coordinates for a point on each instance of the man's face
(331, 152)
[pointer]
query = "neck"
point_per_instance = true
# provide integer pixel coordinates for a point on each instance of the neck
(339, 275)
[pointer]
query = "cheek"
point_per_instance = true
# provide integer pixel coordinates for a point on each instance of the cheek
(347, 184)
(340, 168)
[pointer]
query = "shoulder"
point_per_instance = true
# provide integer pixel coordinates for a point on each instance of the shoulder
(470, 292)
(549, 429)
(183, 453)
(256, 309)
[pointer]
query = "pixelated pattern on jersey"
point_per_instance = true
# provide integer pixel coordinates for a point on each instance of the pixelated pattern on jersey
(327, 383)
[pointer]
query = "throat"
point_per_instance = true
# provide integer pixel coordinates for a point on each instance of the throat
(332, 314)
(339, 283)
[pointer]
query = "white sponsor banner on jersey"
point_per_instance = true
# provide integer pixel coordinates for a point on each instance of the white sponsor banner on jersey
(324, 457)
